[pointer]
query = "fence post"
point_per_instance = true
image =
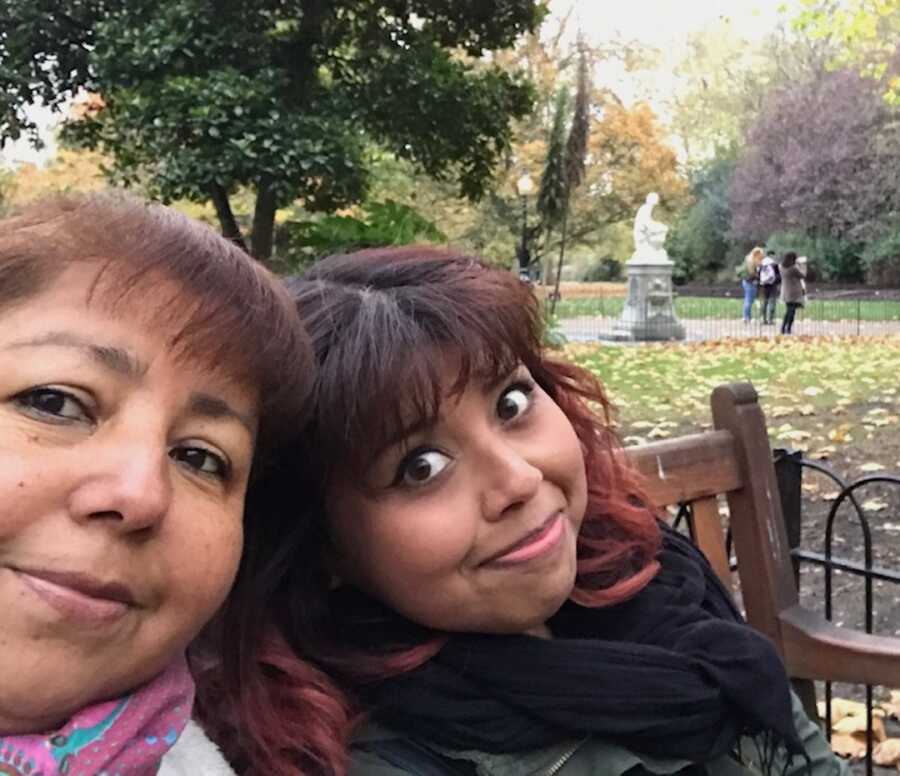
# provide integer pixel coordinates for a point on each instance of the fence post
(789, 474)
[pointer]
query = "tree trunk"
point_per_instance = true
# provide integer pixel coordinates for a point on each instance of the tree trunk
(554, 297)
(263, 221)
(230, 229)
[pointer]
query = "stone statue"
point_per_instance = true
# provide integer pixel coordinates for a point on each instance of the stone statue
(649, 235)
(649, 312)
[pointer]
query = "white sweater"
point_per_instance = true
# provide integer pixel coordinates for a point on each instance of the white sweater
(194, 755)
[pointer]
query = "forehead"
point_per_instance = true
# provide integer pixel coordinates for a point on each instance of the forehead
(124, 315)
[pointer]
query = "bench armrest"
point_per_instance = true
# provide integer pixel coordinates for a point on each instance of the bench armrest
(815, 648)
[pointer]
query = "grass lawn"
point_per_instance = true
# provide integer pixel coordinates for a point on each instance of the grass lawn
(715, 307)
(821, 394)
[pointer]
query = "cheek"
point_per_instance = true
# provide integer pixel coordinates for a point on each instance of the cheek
(396, 550)
(204, 565)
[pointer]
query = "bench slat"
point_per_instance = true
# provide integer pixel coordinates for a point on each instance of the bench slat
(687, 468)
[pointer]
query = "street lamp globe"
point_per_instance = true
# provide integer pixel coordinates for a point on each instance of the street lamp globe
(524, 186)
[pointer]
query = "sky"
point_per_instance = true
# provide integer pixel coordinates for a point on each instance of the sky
(660, 23)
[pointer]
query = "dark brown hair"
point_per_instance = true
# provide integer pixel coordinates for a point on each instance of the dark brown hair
(383, 325)
(227, 310)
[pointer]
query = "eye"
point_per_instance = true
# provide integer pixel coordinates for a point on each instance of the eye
(53, 404)
(202, 461)
(420, 467)
(515, 401)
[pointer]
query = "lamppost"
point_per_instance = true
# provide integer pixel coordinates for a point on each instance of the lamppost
(524, 187)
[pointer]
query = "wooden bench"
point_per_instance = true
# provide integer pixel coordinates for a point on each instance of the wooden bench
(735, 460)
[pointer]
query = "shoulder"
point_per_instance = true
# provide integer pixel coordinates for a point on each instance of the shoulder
(194, 755)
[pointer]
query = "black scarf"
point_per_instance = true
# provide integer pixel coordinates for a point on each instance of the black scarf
(672, 672)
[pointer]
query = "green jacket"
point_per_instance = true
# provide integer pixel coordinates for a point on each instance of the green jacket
(595, 757)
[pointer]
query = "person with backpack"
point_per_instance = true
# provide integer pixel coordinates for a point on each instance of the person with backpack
(769, 282)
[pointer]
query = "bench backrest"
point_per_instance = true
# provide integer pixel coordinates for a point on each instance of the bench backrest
(735, 460)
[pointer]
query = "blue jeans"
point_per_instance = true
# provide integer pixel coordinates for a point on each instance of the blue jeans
(749, 298)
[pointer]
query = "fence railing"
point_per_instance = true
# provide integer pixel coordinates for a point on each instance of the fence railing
(585, 318)
(821, 553)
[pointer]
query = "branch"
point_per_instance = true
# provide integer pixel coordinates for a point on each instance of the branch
(230, 229)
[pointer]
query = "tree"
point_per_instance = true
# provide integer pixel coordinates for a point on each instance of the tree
(284, 97)
(553, 195)
(867, 34)
(699, 242)
(724, 79)
(823, 158)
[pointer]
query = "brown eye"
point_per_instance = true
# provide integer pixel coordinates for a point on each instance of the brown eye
(421, 468)
(201, 460)
(52, 403)
(513, 402)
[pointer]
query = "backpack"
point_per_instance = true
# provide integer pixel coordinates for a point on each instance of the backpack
(768, 274)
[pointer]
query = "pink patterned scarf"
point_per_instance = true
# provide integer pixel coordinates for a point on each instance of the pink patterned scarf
(125, 736)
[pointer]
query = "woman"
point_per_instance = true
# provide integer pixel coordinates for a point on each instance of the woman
(750, 280)
(793, 288)
(474, 572)
(146, 366)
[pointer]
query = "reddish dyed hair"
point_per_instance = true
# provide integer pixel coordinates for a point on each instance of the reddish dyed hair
(376, 319)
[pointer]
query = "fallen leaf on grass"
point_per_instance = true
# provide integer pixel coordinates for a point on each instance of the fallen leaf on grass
(840, 434)
(887, 752)
(872, 466)
(823, 452)
(848, 727)
(848, 745)
(811, 391)
(892, 705)
(831, 495)
(875, 505)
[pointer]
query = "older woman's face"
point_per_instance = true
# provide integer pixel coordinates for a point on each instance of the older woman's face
(122, 479)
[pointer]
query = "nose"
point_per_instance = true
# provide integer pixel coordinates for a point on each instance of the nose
(512, 479)
(126, 484)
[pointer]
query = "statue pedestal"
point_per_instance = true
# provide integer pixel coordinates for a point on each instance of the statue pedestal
(648, 314)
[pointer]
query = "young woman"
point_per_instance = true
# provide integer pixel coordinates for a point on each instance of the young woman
(750, 280)
(476, 584)
(793, 290)
(146, 368)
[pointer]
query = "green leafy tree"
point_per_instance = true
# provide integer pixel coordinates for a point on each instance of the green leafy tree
(553, 196)
(699, 241)
(282, 97)
(866, 33)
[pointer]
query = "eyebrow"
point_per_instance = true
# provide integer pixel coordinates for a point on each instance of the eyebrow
(115, 359)
(120, 361)
(213, 407)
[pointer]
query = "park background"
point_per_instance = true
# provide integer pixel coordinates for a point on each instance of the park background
(528, 133)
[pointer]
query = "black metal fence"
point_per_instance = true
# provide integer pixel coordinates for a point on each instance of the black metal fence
(821, 553)
(585, 317)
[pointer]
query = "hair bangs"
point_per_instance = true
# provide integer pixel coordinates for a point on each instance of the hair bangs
(170, 273)
(392, 347)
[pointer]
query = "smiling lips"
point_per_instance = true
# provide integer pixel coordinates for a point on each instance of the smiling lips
(534, 544)
(78, 597)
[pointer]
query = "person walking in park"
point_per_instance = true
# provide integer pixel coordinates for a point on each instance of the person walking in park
(793, 289)
(750, 280)
(769, 282)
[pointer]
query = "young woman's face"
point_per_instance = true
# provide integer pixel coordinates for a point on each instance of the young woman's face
(470, 525)
(122, 481)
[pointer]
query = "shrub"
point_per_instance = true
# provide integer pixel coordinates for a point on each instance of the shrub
(604, 270)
